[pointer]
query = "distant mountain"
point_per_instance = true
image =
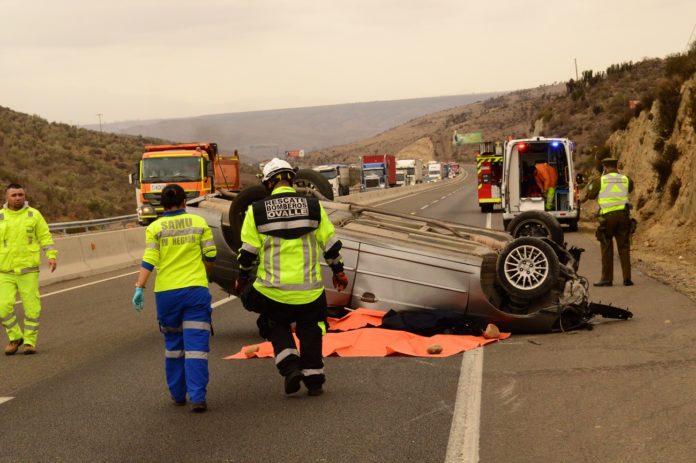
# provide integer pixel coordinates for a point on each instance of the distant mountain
(262, 134)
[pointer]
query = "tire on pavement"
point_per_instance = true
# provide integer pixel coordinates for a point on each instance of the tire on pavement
(537, 224)
(238, 210)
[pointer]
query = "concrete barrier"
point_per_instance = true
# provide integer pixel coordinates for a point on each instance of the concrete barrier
(93, 253)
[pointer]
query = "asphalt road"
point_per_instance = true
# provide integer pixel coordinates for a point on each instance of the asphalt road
(96, 391)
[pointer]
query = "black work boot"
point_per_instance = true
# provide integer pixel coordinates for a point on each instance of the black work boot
(292, 381)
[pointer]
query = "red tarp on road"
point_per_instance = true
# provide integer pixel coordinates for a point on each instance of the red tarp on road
(356, 341)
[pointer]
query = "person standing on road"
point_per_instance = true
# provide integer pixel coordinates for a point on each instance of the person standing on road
(546, 178)
(23, 234)
(284, 234)
(181, 247)
(611, 191)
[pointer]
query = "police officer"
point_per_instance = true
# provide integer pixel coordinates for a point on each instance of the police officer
(181, 247)
(23, 234)
(611, 191)
(284, 235)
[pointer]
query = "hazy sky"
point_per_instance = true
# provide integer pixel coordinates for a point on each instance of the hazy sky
(67, 60)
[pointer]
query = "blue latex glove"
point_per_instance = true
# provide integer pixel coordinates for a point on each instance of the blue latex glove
(138, 299)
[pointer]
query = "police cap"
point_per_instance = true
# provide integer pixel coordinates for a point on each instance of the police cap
(610, 162)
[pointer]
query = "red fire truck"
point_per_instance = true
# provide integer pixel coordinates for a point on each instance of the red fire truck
(489, 171)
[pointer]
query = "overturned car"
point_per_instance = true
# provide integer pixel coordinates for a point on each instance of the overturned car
(527, 284)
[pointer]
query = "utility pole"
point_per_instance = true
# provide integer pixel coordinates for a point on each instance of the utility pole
(99, 115)
(576, 69)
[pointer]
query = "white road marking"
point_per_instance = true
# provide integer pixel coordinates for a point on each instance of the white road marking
(445, 196)
(223, 301)
(463, 444)
(425, 206)
(85, 285)
(5, 399)
(435, 201)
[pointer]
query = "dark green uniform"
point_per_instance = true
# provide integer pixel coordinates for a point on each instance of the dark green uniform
(611, 191)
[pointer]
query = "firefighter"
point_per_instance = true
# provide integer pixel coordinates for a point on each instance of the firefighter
(611, 191)
(181, 247)
(283, 236)
(23, 234)
(546, 178)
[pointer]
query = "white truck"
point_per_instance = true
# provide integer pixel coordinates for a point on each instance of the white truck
(409, 171)
(434, 171)
(338, 176)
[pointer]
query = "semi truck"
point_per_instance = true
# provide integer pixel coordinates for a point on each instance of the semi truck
(434, 171)
(196, 167)
(409, 171)
(338, 176)
(378, 171)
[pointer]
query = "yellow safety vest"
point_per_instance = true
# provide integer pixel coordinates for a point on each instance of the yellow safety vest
(176, 245)
(289, 270)
(23, 234)
(613, 193)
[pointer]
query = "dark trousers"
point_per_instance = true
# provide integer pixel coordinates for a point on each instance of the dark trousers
(275, 325)
(615, 226)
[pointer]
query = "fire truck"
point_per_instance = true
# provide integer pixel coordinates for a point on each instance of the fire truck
(489, 172)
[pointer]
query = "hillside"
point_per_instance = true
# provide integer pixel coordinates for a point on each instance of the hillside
(69, 173)
(259, 135)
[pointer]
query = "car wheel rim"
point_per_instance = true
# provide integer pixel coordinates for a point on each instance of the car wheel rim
(526, 267)
(532, 228)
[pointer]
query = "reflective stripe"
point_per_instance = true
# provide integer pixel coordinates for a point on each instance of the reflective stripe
(290, 286)
(306, 259)
(31, 239)
(31, 328)
(30, 214)
(613, 192)
(312, 372)
(322, 327)
(250, 249)
(32, 320)
(285, 353)
(208, 244)
(10, 325)
(152, 245)
(8, 318)
(196, 354)
(191, 325)
(288, 225)
(2, 216)
(174, 354)
(242, 267)
(49, 247)
(171, 329)
(29, 270)
(183, 231)
(337, 260)
(329, 244)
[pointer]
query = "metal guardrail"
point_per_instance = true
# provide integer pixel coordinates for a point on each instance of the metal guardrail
(86, 225)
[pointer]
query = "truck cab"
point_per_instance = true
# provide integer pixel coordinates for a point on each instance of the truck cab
(196, 167)
(519, 188)
(338, 176)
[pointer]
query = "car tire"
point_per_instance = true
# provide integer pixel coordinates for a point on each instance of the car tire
(537, 224)
(240, 204)
(308, 178)
(527, 268)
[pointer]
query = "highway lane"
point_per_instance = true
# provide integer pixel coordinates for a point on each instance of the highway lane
(96, 389)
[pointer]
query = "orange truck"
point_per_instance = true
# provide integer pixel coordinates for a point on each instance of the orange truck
(196, 167)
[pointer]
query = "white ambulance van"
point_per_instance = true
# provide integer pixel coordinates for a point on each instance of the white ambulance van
(520, 192)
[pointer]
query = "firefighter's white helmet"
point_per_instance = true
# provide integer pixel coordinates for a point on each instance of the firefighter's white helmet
(274, 167)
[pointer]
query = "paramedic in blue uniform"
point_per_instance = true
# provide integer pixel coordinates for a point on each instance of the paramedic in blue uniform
(180, 246)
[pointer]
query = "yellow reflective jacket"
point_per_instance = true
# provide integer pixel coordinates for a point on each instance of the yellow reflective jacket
(176, 244)
(289, 270)
(23, 234)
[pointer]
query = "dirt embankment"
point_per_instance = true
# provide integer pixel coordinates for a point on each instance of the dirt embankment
(664, 205)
